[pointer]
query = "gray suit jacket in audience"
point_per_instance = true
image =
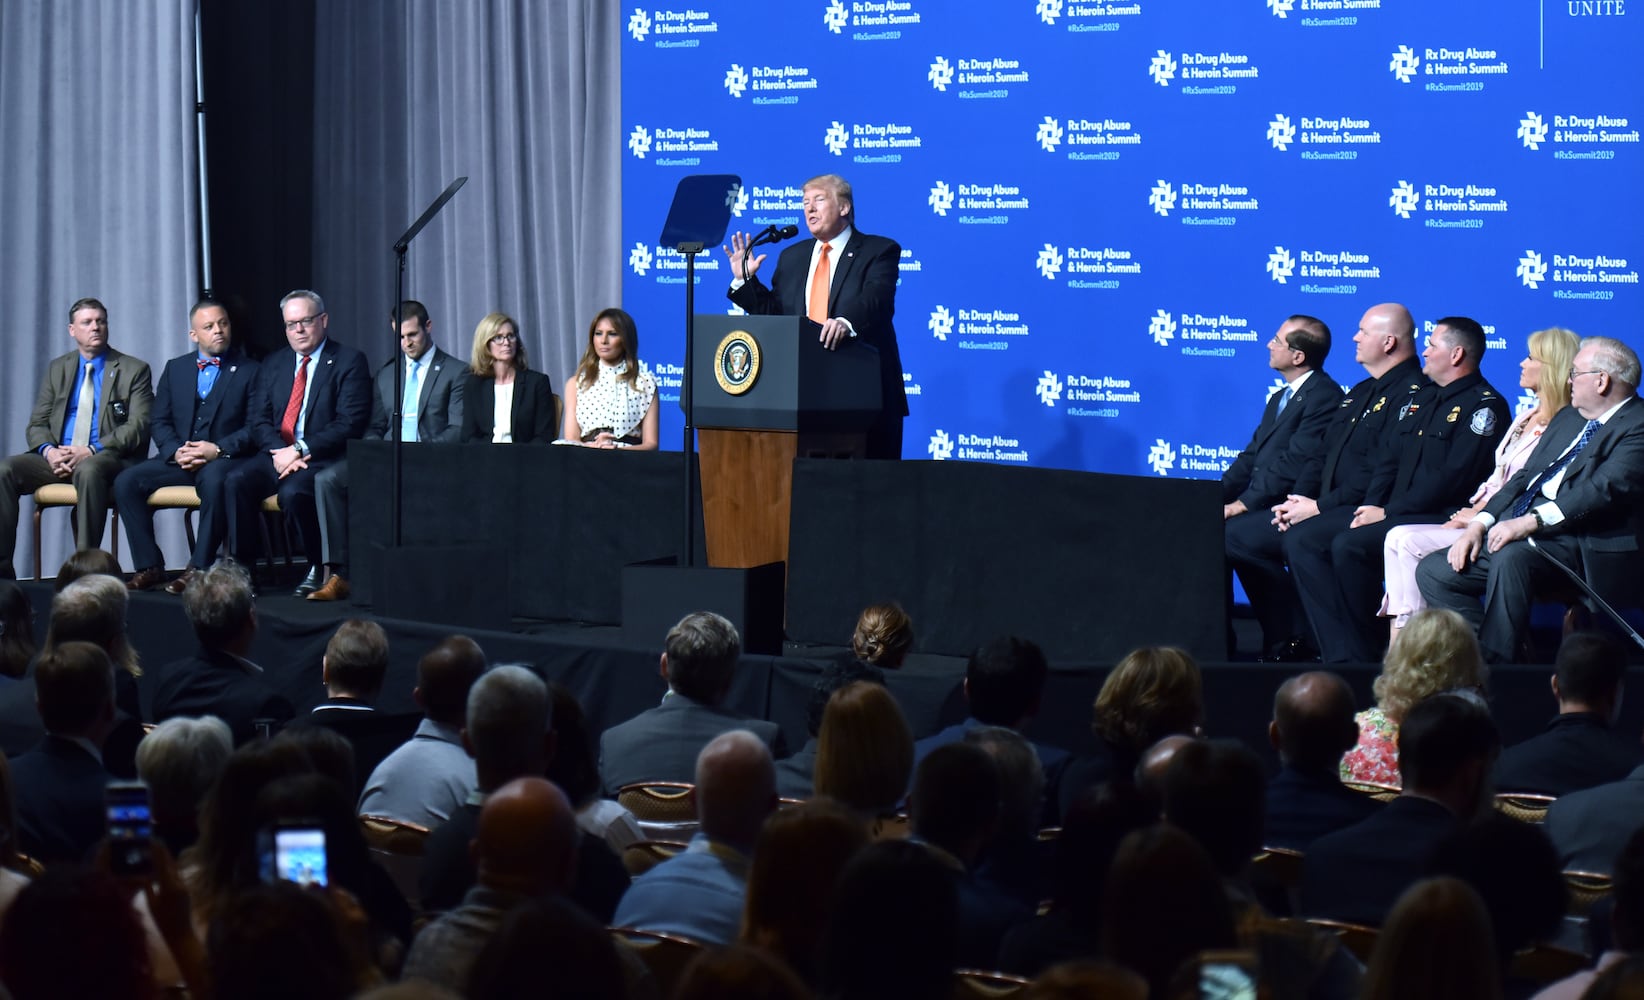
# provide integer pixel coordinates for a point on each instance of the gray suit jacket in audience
(661, 744)
(1590, 827)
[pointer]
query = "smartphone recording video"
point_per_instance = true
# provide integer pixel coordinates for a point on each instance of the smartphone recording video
(295, 853)
(130, 827)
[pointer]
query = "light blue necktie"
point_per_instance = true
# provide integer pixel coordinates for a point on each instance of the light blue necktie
(1284, 399)
(408, 415)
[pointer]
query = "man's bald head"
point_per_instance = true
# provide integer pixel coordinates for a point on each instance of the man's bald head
(1313, 721)
(526, 838)
(1386, 337)
(1150, 770)
(735, 788)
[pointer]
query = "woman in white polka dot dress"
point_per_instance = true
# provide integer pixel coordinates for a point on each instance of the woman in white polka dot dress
(611, 401)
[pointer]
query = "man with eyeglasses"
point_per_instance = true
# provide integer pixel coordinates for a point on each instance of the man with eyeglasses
(90, 421)
(308, 402)
(1580, 497)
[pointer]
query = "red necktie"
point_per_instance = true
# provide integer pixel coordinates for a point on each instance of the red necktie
(294, 405)
(819, 288)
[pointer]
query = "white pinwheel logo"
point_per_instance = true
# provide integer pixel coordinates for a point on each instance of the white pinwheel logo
(835, 17)
(1048, 388)
(1049, 262)
(941, 446)
(836, 139)
(941, 323)
(639, 24)
(1162, 68)
(1403, 200)
(1161, 458)
(1049, 135)
(1532, 129)
(941, 73)
(1048, 10)
(737, 200)
(639, 258)
(941, 198)
(1281, 8)
(1281, 265)
(1532, 270)
(1281, 133)
(1404, 63)
(736, 80)
(1161, 328)
(639, 141)
(1162, 198)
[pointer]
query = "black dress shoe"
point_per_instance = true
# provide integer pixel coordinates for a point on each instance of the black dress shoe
(310, 583)
(1292, 650)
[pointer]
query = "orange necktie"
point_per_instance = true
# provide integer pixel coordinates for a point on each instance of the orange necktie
(819, 288)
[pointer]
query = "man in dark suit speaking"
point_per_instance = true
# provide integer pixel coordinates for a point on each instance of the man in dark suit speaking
(844, 281)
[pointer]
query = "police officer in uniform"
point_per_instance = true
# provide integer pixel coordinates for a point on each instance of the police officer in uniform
(1440, 446)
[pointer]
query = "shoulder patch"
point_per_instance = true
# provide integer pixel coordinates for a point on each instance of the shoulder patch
(1483, 422)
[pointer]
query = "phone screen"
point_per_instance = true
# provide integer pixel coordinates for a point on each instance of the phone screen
(130, 828)
(1226, 981)
(299, 855)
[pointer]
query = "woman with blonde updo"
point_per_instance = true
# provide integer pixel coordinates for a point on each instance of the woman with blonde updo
(884, 635)
(1434, 653)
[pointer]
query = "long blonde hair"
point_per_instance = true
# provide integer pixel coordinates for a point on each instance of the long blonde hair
(1555, 347)
(1435, 652)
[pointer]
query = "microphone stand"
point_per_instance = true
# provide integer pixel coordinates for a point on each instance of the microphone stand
(1592, 595)
(690, 250)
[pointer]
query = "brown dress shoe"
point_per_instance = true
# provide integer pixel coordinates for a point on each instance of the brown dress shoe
(178, 585)
(147, 579)
(334, 589)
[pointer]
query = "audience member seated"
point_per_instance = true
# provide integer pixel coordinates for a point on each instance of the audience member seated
(1512, 867)
(954, 810)
(1544, 375)
(431, 775)
(16, 631)
(509, 734)
(797, 860)
(74, 933)
(796, 774)
(1004, 680)
(1580, 748)
(883, 636)
(93, 609)
(699, 894)
(353, 670)
(611, 401)
(1447, 745)
(179, 761)
(1626, 922)
(739, 971)
(1214, 792)
(1152, 693)
(524, 848)
(1435, 652)
(575, 770)
(894, 929)
(1095, 822)
(662, 743)
(1436, 944)
(59, 785)
(1155, 764)
(218, 679)
(84, 563)
(865, 753)
(547, 949)
(277, 941)
(320, 800)
(1589, 828)
(1162, 905)
(1312, 727)
(503, 400)
(1012, 865)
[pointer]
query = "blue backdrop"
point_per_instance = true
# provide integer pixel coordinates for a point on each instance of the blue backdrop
(1107, 208)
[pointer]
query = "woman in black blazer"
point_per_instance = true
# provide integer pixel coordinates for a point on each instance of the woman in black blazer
(497, 372)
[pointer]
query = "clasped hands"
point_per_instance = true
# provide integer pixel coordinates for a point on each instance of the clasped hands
(63, 460)
(193, 455)
(287, 461)
(1466, 548)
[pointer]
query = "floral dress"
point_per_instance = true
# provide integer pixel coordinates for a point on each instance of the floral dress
(1376, 758)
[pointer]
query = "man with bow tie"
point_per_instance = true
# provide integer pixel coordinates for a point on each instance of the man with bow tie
(90, 421)
(200, 428)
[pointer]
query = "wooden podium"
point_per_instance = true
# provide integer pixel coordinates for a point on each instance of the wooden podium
(765, 392)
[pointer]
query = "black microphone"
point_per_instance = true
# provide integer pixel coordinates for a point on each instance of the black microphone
(785, 233)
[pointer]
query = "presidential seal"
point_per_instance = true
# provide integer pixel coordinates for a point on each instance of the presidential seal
(736, 362)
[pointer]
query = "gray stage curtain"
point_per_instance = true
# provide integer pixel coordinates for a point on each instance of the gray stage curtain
(519, 96)
(97, 197)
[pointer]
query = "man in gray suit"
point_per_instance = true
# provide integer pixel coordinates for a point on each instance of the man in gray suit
(432, 412)
(662, 743)
(1590, 827)
(90, 421)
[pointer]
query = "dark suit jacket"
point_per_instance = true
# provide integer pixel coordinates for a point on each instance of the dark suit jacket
(373, 734)
(1601, 494)
(212, 682)
(796, 775)
(661, 744)
(126, 381)
(223, 417)
(439, 400)
(1284, 444)
(1052, 761)
(1301, 808)
(862, 290)
(59, 789)
(1356, 874)
(1578, 750)
(532, 413)
(1358, 432)
(1589, 828)
(339, 399)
